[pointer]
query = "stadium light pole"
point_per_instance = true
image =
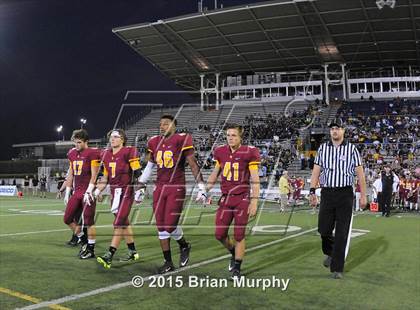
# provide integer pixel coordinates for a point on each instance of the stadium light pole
(59, 131)
(82, 122)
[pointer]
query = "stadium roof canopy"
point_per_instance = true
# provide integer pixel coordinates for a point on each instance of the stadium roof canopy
(280, 35)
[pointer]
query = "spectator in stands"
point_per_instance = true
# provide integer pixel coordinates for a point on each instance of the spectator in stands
(302, 161)
(263, 176)
(311, 161)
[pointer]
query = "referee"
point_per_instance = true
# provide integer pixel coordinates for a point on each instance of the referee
(335, 166)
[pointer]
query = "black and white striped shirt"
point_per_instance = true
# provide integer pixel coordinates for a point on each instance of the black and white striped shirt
(337, 164)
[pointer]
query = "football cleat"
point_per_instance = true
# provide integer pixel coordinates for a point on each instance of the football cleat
(231, 263)
(184, 256)
(83, 248)
(87, 253)
(131, 257)
(167, 267)
(73, 241)
(235, 274)
(105, 260)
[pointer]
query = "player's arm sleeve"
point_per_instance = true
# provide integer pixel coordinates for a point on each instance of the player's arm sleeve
(96, 160)
(147, 172)
(216, 158)
(187, 146)
(134, 159)
(71, 167)
(255, 159)
(95, 164)
(150, 150)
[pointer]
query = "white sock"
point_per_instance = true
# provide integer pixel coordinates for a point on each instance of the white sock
(91, 241)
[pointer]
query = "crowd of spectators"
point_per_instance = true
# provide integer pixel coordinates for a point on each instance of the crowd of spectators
(384, 131)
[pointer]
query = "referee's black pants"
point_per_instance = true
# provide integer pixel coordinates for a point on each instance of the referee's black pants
(335, 212)
(386, 202)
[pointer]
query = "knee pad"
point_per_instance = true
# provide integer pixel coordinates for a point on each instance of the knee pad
(164, 235)
(177, 234)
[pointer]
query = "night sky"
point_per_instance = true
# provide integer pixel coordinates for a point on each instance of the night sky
(60, 61)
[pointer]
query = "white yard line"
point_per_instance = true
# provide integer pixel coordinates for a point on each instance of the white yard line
(99, 226)
(23, 205)
(43, 231)
(148, 278)
(20, 214)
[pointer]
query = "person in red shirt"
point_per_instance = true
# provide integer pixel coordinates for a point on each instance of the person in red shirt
(170, 152)
(121, 168)
(407, 190)
(84, 165)
(401, 192)
(237, 166)
(298, 186)
(292, 184)
(412, 196)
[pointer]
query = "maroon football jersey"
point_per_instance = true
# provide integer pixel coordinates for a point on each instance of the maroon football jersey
(235, 167)
(119, 167)
(80, 165)
(169, 154)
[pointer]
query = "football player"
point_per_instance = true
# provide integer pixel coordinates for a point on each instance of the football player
(84, 165)
(170, 151)
(237, 165)
(121, 168)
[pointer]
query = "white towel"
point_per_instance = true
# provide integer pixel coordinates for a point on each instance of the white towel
(116, 200)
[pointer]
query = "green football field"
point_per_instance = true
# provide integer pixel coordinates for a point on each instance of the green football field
(37, 269)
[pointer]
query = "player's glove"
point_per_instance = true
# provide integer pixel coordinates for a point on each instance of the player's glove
(139, 195)
(88, 198)
(67, 195)
(202, 193)
(209, 199)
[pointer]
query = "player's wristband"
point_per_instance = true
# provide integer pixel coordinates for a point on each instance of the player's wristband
(312, 191)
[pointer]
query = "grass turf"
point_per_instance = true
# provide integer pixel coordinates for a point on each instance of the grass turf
(382, 270)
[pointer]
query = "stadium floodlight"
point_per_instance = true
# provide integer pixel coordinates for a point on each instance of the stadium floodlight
(82, 122)
(59, 130)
